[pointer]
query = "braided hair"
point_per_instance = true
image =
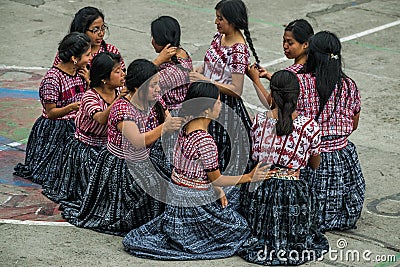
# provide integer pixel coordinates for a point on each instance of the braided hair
(285, 90)
(235, 12)
(73, 44)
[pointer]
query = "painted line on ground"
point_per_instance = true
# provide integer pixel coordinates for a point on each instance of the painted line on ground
(15, 145)
(19, 93)
(367, 32)
(21, 68)
(41, 223)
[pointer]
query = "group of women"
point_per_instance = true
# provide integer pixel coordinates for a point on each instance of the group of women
(168, 157)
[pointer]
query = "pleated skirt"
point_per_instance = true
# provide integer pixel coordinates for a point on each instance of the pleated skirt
(44, 150)
(279, 213)
(79, 159)
(114, 201)
(189, 232)
(231, 133)
(339, 187)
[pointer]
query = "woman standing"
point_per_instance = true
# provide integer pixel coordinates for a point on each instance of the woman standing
(80, 153)
(332, 98)
(225, 65)
(60, 93)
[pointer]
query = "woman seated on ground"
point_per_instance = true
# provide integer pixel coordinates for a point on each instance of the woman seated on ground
(279, 210)
(124, 188)
(81, 151)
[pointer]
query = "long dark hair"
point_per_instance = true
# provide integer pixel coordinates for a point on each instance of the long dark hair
(166, 30)
(285, 90)
(73, 44)
(235, 12)
(102, 66)
(138, 76)
(206, 92)
(324, 61)
(301, 30)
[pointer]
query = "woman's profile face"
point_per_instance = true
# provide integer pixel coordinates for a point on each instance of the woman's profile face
(291, 47)
(117, 76)
(223, 25)
(154, 89)
(84, 59)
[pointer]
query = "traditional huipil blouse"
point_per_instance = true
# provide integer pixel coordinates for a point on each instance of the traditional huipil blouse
(174, 81)
(336, 118)
(117, 144)
(295, 68)
(221, 61)
(195, 155)
(293, 150)
(88, 130)
(62, 89)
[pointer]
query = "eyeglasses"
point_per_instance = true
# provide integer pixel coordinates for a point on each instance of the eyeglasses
(96, 30)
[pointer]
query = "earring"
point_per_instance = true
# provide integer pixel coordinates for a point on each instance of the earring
(104, 82)
(75, 61)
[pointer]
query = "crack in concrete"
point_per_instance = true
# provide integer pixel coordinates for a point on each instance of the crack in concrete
(336, 7)
(33, 3)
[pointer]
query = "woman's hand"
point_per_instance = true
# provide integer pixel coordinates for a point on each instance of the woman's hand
(74, 106)
(222, 197)
(165, 54)
(195, 76)
(263, 73)
(253, 73)
(124, 92)
(84, 72)
(260, 172)
(172, 124)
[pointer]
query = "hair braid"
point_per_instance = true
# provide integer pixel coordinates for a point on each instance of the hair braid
(250, 43)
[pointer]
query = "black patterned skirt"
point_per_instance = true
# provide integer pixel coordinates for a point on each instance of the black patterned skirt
(189, 232)
(79, 159)
(114, 201)
(233, 125)
(44, 149)
(279, 213)
(339, 187)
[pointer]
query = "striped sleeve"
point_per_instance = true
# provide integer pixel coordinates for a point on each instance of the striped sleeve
(90, 102)
(208, 153)
(49, 90)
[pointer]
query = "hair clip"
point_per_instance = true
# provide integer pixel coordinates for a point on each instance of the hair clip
(334, 56)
